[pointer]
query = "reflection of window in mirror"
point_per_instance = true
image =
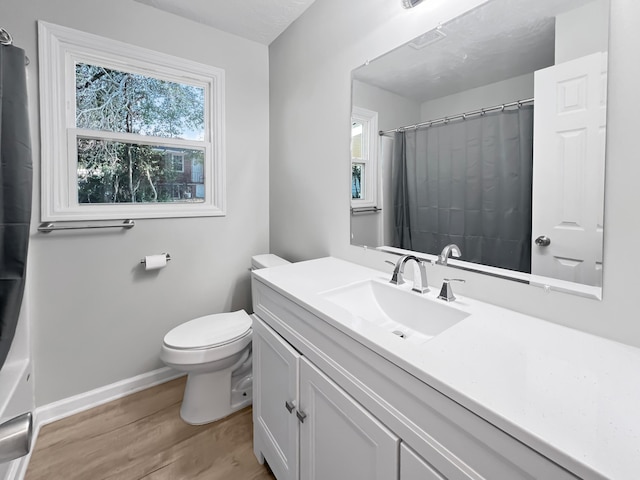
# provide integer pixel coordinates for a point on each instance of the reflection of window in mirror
(364, 152)
(357, 167)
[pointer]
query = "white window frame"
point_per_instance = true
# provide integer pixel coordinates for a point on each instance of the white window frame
(370, 140)
(177, 156)
(59, 50)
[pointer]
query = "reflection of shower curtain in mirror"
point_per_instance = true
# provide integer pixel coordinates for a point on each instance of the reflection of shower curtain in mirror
(467, 182)
(15, 190)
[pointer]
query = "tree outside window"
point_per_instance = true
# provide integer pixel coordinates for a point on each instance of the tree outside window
(122, 172)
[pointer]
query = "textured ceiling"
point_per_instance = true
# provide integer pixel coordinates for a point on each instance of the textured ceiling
(501, 39)
(258, 20)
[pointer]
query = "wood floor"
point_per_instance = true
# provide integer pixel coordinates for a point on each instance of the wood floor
(141, 436)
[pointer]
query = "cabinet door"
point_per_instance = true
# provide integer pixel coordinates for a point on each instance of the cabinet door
(275, 426)
(340, 440)
(414, 467)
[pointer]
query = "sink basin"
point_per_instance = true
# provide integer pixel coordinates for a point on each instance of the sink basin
(409, 315)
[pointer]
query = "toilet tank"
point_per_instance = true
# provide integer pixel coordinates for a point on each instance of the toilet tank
(267, 260)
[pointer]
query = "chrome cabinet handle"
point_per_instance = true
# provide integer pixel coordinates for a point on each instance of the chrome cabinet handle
(543, 241)
(301, 415)
(290, 405)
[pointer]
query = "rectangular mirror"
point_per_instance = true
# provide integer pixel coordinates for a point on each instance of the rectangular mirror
(489, 132)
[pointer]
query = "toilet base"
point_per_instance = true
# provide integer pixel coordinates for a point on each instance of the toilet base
(207, 397)
(211, 396)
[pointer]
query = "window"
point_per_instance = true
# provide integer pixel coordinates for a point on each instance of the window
(127, 132)
(177, 162)
(357, 167)
(364, 154)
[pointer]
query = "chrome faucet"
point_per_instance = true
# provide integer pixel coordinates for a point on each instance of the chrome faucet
(419, 285)
(446, 293)
(451, 249)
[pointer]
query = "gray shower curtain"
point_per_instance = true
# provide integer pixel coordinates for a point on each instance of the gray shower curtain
(15, 190)
(467, 182)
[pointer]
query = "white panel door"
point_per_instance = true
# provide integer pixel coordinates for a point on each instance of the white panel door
(568, 169)
(340, 440)
(275, 426)
(414, 467)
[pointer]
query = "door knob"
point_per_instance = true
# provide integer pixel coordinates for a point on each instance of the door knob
(543, 241)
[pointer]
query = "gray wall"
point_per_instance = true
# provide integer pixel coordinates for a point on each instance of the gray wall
(96, 317)
(510, 90)
(580, 32)
(310, 97)
(393, 110)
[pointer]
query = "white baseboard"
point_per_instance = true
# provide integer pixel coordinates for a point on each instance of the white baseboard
(84, 401)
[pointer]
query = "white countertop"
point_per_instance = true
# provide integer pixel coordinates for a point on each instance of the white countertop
(572, 396)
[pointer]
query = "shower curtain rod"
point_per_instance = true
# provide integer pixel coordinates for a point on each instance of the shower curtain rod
(7, 39)
(445, 120)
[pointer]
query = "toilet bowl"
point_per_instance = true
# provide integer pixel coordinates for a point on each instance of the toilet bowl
(215, 353)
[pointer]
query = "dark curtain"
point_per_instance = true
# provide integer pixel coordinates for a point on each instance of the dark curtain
(467, 182)
(15, 190)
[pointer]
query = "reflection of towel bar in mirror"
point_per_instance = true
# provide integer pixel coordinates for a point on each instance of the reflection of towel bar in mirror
(50, 227)
(358, 210)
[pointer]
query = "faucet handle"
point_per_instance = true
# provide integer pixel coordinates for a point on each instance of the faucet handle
(398, 271)
(396, 278)
(446, 292)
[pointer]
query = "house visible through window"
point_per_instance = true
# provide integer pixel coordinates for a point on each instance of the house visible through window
(142, 129)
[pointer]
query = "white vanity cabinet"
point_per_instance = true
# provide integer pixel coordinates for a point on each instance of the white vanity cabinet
(364, 415)
(320, 433)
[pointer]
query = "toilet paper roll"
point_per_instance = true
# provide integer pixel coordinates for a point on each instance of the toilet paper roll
(155, 262)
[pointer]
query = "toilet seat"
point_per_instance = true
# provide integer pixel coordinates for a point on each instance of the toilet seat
(207, 339)
(209, 331)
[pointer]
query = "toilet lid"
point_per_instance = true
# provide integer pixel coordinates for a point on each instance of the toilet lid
(209, 331)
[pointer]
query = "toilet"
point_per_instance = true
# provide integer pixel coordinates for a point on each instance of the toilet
(215, 352)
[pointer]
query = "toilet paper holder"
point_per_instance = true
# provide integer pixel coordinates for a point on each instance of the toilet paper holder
(144, 262)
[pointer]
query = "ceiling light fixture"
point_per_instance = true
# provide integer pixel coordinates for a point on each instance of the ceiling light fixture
(410, 3)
